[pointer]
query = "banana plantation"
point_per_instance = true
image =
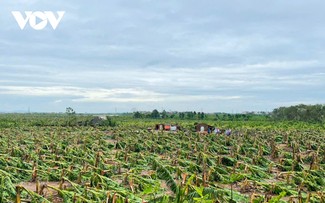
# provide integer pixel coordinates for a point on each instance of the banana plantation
(261, 162)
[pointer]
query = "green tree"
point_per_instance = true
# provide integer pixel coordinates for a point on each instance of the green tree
(69, 111)
(72, 118)
(189, 115)
(164, 114)
(202, 116)
(301, 112)
(181, 115)
(137, 115)
(155, 114)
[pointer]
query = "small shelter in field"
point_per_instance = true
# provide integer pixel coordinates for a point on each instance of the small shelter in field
(160, 127)
(97, 120)
(204, 128)
(167, 127)
(174, 127)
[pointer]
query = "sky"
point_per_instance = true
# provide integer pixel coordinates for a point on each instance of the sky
(175, 55)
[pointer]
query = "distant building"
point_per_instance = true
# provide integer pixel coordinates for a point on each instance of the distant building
(204, 128)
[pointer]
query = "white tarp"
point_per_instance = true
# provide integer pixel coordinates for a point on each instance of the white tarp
(173, 128)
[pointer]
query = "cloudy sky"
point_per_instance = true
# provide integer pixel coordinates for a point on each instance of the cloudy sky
(127, 55)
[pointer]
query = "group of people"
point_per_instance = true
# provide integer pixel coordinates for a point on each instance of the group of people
(219, 131)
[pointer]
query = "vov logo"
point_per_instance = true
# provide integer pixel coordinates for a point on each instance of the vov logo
(38, 19)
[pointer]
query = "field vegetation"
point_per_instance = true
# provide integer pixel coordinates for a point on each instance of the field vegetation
(63, 158)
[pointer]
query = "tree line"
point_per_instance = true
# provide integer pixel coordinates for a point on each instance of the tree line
(193, 115)
(301, 112)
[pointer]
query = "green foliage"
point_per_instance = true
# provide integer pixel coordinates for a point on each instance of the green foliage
(202, 198)
(138, 115)
(109, 122)
(125, 162)
(155, 114)
(277, 198)
(228, 161)
(306, 113)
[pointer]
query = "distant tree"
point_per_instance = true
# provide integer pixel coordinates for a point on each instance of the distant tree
(72, 118)
(164, 114)
(109, 122)
(189, 115)
(69, 111)
(202, 115)
(301, 112)
(181, 115)
(137, 115)
(155, 114)
(229, 117)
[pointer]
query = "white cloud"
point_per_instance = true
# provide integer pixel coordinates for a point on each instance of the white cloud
(94, 95)
(291, 65)
(83, 94)
(157, 52)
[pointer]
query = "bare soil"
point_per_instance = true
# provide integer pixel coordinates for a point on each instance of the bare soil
(48, 193)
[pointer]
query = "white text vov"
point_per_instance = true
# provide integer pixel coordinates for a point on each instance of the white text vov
(38, 19)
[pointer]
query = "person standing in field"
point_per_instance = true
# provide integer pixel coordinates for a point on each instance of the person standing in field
(217, 131)
(228, 132)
